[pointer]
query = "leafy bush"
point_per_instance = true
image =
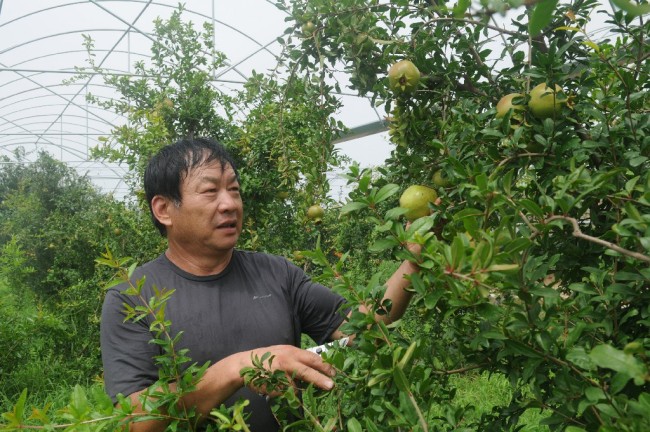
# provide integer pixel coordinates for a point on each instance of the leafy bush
(54, 226)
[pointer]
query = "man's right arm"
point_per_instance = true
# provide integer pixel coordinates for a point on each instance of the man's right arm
(223, 378)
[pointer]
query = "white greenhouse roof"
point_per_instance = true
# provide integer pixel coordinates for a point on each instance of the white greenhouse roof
(42, 44)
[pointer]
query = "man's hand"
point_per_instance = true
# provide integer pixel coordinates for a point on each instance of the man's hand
(296, 363)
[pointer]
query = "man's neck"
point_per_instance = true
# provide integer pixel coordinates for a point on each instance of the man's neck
(202, 265)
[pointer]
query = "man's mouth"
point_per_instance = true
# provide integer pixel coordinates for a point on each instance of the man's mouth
(228, 224)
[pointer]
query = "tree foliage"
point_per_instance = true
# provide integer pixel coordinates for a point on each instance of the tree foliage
(169, 97)
(536, 262)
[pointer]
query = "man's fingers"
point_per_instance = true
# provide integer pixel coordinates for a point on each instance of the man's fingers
(314, 370)
(309, 367)
(302, 365)
(316, 361)
(315, 377)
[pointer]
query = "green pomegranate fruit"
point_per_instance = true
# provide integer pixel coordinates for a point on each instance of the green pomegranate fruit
(440, 179)
(416, 199)
(544, 102)
(308, 28)
(505, 104)
(315, 213)
(403, 77)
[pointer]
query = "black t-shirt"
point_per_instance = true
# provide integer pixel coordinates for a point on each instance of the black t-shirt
(258, 300)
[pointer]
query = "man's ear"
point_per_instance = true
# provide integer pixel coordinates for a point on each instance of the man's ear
(160, 207)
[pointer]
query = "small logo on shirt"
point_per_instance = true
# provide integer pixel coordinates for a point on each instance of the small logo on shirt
(260, 297)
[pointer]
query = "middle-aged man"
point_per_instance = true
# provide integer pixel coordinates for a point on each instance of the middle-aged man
(230, 304)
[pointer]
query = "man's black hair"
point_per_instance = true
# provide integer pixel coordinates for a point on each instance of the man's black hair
(168, 168)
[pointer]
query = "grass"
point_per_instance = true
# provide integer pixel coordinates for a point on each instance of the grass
(486, 391)
(29, 355)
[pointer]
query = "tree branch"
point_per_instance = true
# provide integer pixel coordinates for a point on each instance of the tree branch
(579, 234)
(459, 371)
(476, 23)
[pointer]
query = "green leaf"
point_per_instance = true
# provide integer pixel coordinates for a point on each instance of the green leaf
(386, 192)
(619, 382)
(406, 359)
(579, 357)
(421, 226)
(582, 288)
(632, 9)
(608, 410)
(494, 335)
(378, 378)
(482, 182)
(592, 45)
(461, 7)
(517, 245)
(544, 340)
(383, 244)
(643, 404)
(503, 267)
(468, 213)
(522, 349)
(606, 356)
(395, 213)
(432, 298)
(354, 425)
(638, 160)
(457, 252)
(569, 28)
(353, 206)
(79, 407)
(399, 377)
(547, 293)
(594, 394)
(17, 416)
(532, 207)
(541, 16)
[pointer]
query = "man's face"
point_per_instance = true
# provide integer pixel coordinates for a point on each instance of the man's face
(209, 218)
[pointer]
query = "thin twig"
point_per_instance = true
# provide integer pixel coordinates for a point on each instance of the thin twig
(520, 155)
(476, 23)
(458, 371)
(469, 279)
(423, 422)
(579, 234)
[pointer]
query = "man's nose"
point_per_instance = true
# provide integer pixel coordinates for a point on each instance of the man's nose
(227, 201)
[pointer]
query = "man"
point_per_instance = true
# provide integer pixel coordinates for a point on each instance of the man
(230, 304)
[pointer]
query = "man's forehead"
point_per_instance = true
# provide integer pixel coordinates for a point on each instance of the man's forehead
(213, 169)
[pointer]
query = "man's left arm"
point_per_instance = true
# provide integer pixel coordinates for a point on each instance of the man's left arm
(396, 292)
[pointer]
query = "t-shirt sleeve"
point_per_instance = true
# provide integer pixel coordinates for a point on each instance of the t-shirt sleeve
(127, 354)
(319, 309)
